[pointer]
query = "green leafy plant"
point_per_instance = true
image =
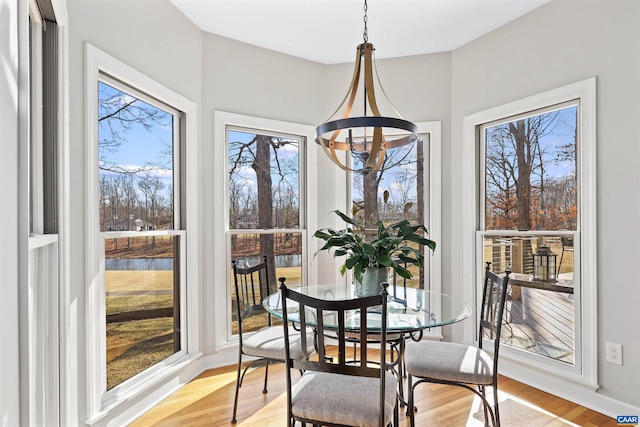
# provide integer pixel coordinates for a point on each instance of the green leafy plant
(389, 247)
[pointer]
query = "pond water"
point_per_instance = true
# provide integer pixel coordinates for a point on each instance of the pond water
(139, 264)
(281, 260)
(167, 263)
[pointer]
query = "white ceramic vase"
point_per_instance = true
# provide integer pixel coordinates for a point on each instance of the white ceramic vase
(372, 279)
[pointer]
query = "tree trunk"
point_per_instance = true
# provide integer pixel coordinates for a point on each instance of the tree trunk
(523, 187)
(262, 166)
(370, 192)
(420, 196)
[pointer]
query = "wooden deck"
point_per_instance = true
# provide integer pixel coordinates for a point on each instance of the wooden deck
(542, 322)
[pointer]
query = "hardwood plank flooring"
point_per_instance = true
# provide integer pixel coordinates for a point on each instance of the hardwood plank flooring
(208, 401)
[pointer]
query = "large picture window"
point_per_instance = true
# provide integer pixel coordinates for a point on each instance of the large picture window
(141, 156)
(399, 190)
(530, 184)
(407, 186)
(138, 145)
(265, 204)
(268, 211)
(529, 208)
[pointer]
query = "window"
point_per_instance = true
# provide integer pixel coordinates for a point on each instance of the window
(535, 203)
(398, 190)
(142, 140)
(530, 212)
(139, 153)
(267, 203)
(45, 403)
(264, 204)
(408, 185)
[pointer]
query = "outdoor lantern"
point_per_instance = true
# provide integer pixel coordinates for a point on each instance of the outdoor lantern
(544, 264)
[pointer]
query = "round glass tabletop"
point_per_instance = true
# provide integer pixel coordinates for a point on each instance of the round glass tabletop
(408, 309)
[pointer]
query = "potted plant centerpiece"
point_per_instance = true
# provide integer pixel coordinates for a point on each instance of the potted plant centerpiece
(371, 256)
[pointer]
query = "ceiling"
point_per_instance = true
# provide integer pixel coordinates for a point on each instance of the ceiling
(328, 31)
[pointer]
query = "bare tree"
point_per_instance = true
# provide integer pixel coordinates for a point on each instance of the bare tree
(103, 191)
(262, 154)
(118, 114)
(237, 189)
(151, 186)
(120, 117)
(513, 157)
(370, 184)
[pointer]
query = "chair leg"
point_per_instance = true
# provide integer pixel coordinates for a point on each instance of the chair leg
(496, 410)
(401, 369)
(266, 375)
(484, 405)
(489, 412)
(410, 405)
(396, 419)
(235, 401)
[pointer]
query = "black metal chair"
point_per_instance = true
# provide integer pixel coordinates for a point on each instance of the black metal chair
(266, 345)
(338, 391)
(464, 365)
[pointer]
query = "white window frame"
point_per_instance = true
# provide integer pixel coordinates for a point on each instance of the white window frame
(433, 212)
(103, 404)
(44, 384)
(526, 369)
(308, 204)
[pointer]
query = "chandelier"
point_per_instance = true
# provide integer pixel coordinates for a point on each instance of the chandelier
(368, 136)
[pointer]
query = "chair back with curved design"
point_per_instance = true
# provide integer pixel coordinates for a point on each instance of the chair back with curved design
(251, 287)
(494, 296)
(339, 391)
(464, 365)
(267, 344)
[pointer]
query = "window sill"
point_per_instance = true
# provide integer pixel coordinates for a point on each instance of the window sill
(132, 397)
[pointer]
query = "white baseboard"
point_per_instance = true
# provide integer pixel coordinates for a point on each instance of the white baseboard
(574, 392)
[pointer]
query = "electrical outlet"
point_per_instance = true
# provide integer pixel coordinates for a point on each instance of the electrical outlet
(614, 353)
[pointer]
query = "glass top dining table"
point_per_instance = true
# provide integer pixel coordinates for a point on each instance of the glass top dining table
(408, 309)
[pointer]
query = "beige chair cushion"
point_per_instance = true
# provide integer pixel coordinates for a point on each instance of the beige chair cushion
(269, 342)
(449, 361)
(343, 399)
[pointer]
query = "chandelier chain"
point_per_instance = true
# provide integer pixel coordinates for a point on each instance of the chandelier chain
(365, 34)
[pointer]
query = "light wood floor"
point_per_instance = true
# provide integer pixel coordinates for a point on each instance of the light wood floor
(208, 401)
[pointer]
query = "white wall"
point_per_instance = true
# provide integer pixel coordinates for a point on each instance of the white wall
(9, 216)
(563, 42)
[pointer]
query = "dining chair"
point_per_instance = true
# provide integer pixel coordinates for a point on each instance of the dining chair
(266, 344)
(463, 365)
(339, 391)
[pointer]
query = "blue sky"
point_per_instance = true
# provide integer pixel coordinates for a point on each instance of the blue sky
(142, 146)
(562, 134)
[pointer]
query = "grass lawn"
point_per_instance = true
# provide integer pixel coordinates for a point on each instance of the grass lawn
(136, 345)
